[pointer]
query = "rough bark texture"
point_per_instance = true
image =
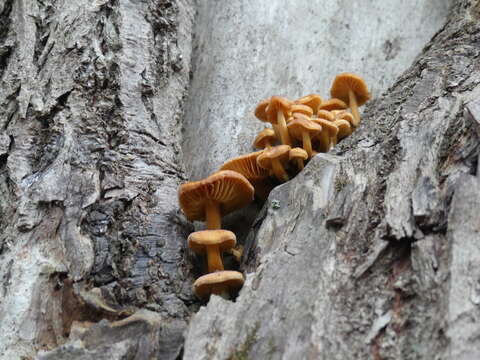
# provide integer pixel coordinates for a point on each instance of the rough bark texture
(371, 252)
(91, 100)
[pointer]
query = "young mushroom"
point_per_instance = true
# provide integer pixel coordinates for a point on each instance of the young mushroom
(313, 101)
(221, 283)
(217, 195)
(326, 115)
(333, 104)
(274, 158)
(265, 139)
(351, 89)
(247, 166)
(328, 136)
(213, 243)
(344, 115)
(301, 109)
(304, 129)
(344, 129)
(298, 155)
(278, 111)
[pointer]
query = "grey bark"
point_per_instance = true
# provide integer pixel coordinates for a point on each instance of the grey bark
(91, 100)
(371, 252)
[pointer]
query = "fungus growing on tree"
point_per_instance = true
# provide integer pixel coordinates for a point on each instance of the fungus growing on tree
(247, 166)
(278, 110)
(327, 137)
(213, 243)
(313, 101)
(298, 155)
(275, 158)
(333, 104)
(217, 195)
(221, 283)
(303, 129)
(265, 139)
(351, 89)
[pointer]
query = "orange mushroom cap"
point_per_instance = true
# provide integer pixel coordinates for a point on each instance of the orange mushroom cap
(344, 115)
(199, 240)
(301, 109)
(229, 189)
(297, 153)
(217, 282)
(345, 82)
(279, 152)
(333, 104)
(298, 125)
(265, 136)
(247, 166)
(344, 128)
(261, 110)
(277, 103)
(313, 101)
(325, 114)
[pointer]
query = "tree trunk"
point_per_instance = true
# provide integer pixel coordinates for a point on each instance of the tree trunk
(370, 252)
(91, 102)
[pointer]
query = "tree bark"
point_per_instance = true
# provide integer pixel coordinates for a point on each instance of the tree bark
(91, 101)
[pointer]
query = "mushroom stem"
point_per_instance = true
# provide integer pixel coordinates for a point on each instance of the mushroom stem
(221, 291)
(300, 164)
(284, 137)
(214, 259)
(279, 171)
(307, 143)
(214, 220)
(324, 141)
(354, 107)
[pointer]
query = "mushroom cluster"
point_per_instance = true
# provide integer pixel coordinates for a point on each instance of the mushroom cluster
(300, 129)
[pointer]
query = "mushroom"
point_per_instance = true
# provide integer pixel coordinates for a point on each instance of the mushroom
(265, 139)
(219, 283)
(261, 110)
(274, 158)
(351, 89)
(217, 195)
(303, 129)
(328, 136)
(278, 111)
(333, 104)
(313, 101)
(325, 114)
(247, 166)
(212, 242)
(345, 115)
(299, 156)
(301, 109)
(344, 129)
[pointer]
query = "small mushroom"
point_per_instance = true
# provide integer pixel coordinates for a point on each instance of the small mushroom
(304, 129)
(265, 139)
(274, 158)
(299, 156)
(344, 115)
(301, 109)
(261, 110)
(325, 114)
(327, 137)
(221, 283)
(344, 129)
(313, 101)
(351, 89)
(217, 195)
(212, 242)
(333, 104)
(278, 111)
(247, 166)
